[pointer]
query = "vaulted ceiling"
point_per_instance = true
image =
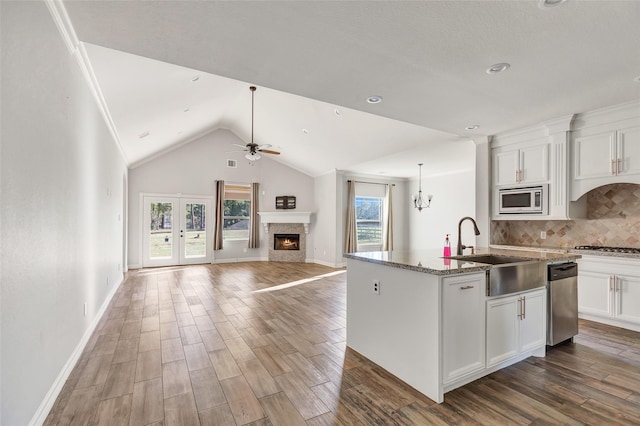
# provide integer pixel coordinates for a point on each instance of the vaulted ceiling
(180, 69)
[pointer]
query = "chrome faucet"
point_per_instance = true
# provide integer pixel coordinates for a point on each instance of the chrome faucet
(461, 246)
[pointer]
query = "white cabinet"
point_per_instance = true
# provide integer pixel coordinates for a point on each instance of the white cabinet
(609, 290)
(522, 166)
(601, 157)
(463, 325)
(515, 324)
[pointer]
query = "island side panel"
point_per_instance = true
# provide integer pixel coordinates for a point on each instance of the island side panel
(397, 329)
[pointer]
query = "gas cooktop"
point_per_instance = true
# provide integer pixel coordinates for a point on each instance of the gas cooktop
(610, 249)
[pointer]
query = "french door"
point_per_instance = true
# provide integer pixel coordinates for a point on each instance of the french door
(176, 231)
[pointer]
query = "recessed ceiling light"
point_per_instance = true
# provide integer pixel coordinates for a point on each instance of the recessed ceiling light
(472, 127)
(195, 78)
(374, 99)
(338, 112)
(187, 110)
(546, 4)
(497, 68)
(305, 131)
(143, 134)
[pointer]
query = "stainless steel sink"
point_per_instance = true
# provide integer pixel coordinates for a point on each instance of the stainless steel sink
(510, 274)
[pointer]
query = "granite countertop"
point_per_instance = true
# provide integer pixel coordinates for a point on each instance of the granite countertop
(570, 250)
(432, 262)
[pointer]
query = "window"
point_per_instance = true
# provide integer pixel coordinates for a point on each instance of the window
(369, 220)
(237, 212)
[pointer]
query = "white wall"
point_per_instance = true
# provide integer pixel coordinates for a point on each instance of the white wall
(483, 192)
(61, 233)
(193, 169)
(325, 220)
(454, 197)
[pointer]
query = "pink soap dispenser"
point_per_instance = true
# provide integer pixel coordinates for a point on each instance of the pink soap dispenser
(447, 247)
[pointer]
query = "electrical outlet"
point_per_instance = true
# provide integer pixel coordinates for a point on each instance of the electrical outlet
(85, 309)
(543, 235)
(376, 287)
(107, 281)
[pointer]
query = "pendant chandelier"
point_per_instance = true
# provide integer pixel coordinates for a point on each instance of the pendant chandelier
(419, 202)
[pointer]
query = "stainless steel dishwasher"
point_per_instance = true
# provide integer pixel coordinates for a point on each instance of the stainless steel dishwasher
(562, 302)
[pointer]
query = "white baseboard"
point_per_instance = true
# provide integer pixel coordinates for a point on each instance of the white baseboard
(134, 266)
(609, 321)
(329, 264)
(241, 259)
(50, 398)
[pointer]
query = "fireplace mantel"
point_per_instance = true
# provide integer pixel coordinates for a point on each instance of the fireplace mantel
(285, 217)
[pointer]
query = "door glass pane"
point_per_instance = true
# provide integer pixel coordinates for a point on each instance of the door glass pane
(195, 230)
(161, 238)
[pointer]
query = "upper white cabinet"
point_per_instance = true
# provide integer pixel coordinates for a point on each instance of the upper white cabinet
(533, 156)
(525, 165)
(606, 157)
(605, 149)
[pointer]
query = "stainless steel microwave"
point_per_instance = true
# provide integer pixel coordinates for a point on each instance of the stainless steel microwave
(524, 200)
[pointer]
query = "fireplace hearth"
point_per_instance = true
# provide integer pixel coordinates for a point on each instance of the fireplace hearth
(286, 241)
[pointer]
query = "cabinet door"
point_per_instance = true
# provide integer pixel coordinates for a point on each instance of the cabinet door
(594, 293)
(505, 166)
(502, 329)
(533, 330)
(534, 164)
(463, 325)
(629, 151)
(593, 156)
(627, 291)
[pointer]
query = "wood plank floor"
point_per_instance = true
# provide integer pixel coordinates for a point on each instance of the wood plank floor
(232, 345)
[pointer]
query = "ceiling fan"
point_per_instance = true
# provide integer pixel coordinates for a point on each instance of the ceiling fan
(252, 149)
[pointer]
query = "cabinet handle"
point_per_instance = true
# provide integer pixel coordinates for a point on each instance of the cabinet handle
(610, 285)
(618, 166)
(466, 287)
(613, 170)
(524, 307)
(520, 308)
(617, 283)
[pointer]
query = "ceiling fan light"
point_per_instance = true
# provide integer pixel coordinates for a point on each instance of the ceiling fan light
(252, 156)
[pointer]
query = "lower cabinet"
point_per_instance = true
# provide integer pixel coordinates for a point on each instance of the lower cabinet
(463, 334)
(609, 290)
(515, 324)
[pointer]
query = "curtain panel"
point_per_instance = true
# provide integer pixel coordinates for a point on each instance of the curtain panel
(387, 232)
(350, 238)
(254, 225)
(219, 210)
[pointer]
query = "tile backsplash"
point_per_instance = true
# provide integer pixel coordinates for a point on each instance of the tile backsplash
(613, 219)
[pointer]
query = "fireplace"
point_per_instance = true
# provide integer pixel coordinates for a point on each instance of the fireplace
(286, 241)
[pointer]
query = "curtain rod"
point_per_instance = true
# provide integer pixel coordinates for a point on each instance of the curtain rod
(371, 183)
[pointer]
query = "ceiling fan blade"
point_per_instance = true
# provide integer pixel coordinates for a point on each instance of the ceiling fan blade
(268, 151)
(265, 146)
(231, 152)
(238, 145)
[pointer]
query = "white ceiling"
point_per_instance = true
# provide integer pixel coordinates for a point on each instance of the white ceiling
(426, 59)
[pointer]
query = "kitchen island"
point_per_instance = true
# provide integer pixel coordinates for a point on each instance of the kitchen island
(428, 320)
